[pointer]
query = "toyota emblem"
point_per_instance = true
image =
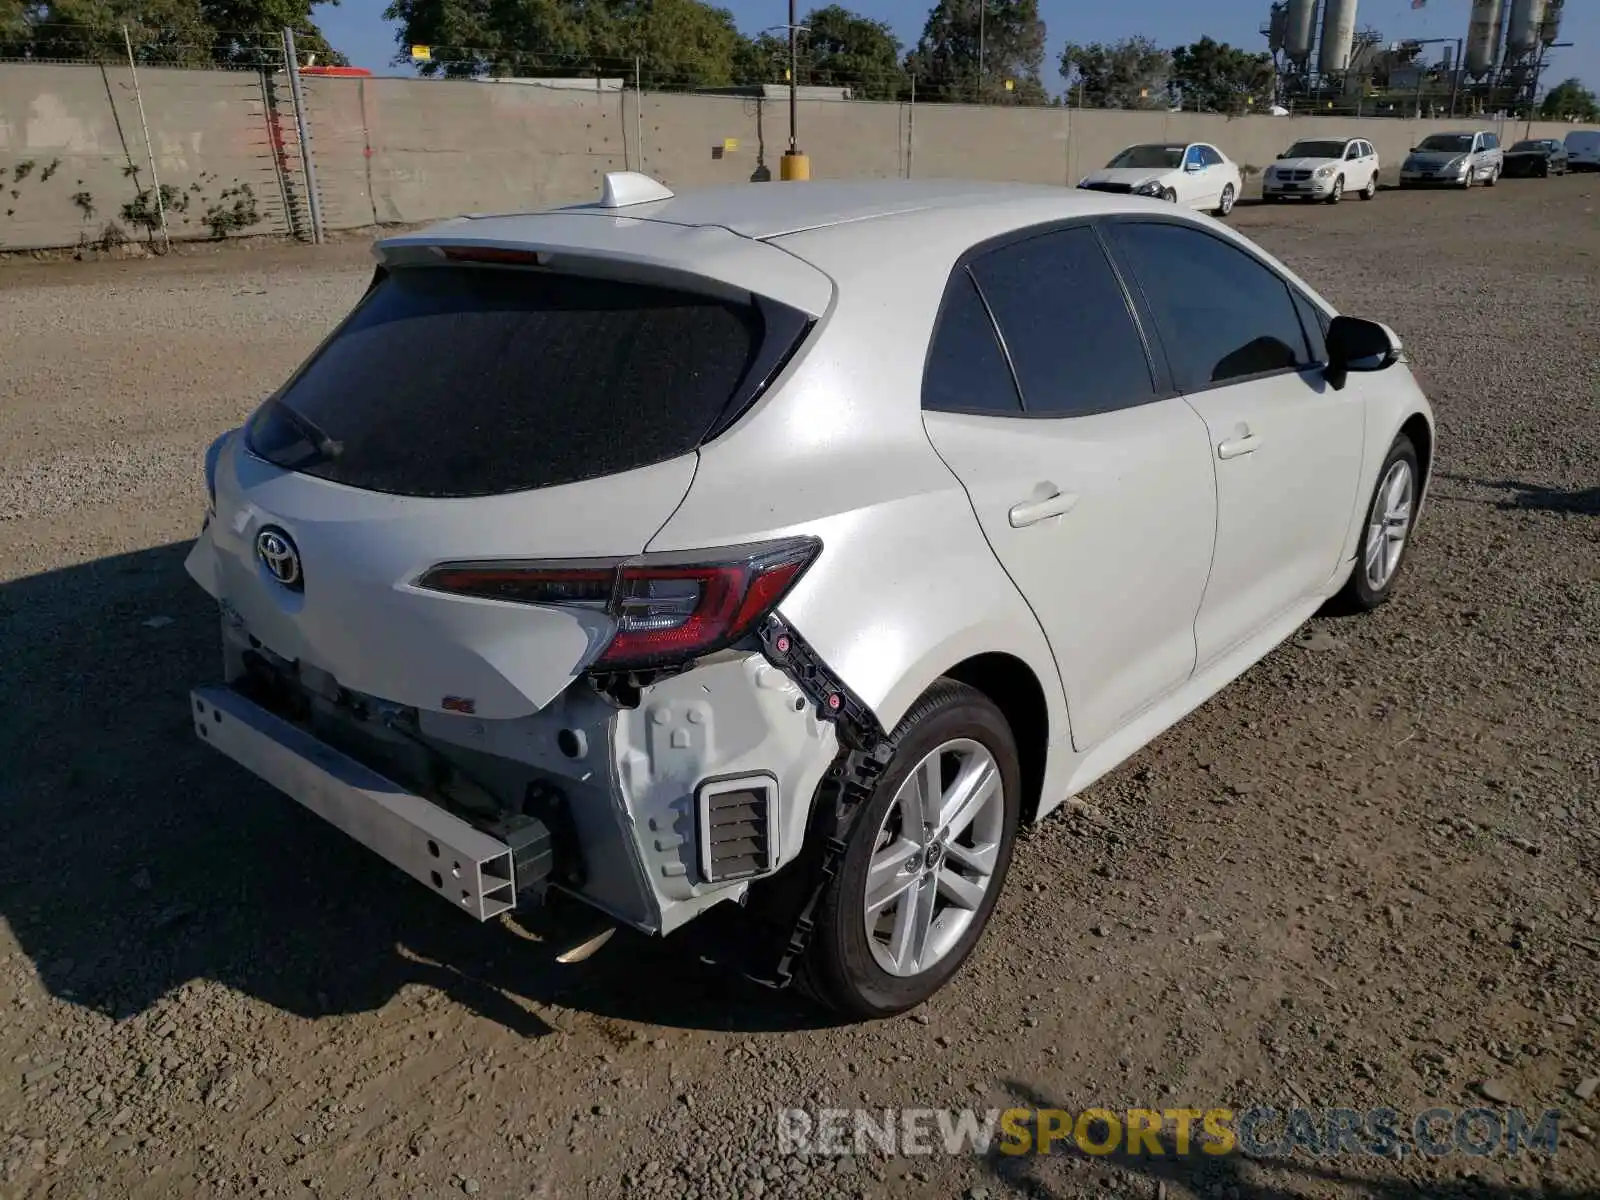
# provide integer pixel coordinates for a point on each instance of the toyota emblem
(278, 555)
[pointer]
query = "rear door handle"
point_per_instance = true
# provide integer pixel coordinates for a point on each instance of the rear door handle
(1031, 512)
(1235, 447)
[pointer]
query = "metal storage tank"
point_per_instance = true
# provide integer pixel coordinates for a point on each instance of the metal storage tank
(1483, 37)
(1338, 32)
(1527, 19)
(1277, 26)
(1550, 31)
(1297, 30)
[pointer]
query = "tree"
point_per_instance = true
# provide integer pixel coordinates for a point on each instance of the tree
(840, 48)
(188, 33)
(1216, 77)
(1011, 38)
(1126, 74)
(681, 43)
(1569, 100)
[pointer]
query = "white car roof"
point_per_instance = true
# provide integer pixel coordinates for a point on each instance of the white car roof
(794, 242)
(764, 211)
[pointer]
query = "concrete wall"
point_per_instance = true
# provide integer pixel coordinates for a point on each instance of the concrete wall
(80, 129)
(402, 151)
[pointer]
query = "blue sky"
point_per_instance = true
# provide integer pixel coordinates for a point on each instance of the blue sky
(357, 27)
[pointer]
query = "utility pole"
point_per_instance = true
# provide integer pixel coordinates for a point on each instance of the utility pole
(983, 9)
(795, 165)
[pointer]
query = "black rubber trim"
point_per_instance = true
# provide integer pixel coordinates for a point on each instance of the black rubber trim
(858, 725)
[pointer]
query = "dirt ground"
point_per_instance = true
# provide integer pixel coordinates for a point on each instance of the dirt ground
(1367, 874)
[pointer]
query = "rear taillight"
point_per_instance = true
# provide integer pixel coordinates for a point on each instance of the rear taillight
(668, 608)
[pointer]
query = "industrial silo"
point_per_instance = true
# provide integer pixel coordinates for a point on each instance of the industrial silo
(1338, 33)
(1277, 27)
(1527, 21)
(1550, 30)
(1297, 30)
(1483, 37)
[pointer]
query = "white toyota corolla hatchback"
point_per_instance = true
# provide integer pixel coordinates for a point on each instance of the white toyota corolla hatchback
(766, 555)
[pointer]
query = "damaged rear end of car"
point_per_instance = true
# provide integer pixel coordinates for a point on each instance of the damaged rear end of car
(444, 629)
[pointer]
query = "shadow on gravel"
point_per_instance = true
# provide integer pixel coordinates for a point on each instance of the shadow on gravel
(1584, 502)
(1226, 1175)
(136, 859)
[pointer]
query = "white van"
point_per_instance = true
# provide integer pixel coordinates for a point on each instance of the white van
(1583, 150)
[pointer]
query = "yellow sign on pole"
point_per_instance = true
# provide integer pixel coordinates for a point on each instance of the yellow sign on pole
(421, 54)
(729, 145)
(1011, 85)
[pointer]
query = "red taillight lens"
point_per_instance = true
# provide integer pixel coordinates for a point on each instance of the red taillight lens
(667, 608)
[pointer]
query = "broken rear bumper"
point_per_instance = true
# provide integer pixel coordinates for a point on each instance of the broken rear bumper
(651, 812)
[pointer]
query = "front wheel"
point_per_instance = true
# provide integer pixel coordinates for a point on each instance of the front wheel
(926, 861)
(1337, 192)
(1386, 535)
(1169, 195)
(1225, 202)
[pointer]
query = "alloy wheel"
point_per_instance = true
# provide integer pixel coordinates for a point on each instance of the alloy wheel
(1389, 526)
(934, 857)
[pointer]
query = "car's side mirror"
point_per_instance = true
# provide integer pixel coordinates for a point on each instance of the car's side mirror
(1191, 166)
(1358, 345)
(1283, 156)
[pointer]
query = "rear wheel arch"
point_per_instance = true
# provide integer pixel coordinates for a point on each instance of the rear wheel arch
(1012, 687)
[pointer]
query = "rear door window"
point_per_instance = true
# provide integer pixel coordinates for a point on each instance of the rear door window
(475, 381)
(967, 370)
(1066, 323)
(1223, 315)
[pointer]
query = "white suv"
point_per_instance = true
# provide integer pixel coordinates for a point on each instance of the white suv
(1323, 169)
(785, 546)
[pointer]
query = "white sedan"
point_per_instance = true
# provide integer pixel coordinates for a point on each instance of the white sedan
(759, 562)
(1323, 169)
(1193, 175)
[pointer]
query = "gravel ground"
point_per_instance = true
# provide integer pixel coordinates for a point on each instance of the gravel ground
(1367, 874)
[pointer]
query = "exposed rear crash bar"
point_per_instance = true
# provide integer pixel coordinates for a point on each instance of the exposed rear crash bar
(472, 870)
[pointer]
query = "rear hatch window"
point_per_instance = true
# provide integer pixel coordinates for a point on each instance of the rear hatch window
(454, 381)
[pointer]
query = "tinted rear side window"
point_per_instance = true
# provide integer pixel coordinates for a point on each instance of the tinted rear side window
(474, 381)
(1222, 314)
(1066, 323)
(967, 371)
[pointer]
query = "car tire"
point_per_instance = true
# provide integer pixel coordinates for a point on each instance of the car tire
(1169, 195)
(1225, 201)
(1367, 588)
(845, 965)
(1337, 193)
(1494, 177)
(1371, 190)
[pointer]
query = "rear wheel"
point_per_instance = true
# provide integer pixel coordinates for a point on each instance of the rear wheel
(1371, 190)
(926, 862)
(1494, 177)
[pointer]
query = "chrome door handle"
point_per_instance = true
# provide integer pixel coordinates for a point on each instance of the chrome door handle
(1031, 512)
(1235, 447)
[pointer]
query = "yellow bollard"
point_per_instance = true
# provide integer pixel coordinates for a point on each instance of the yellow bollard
(795, 167)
